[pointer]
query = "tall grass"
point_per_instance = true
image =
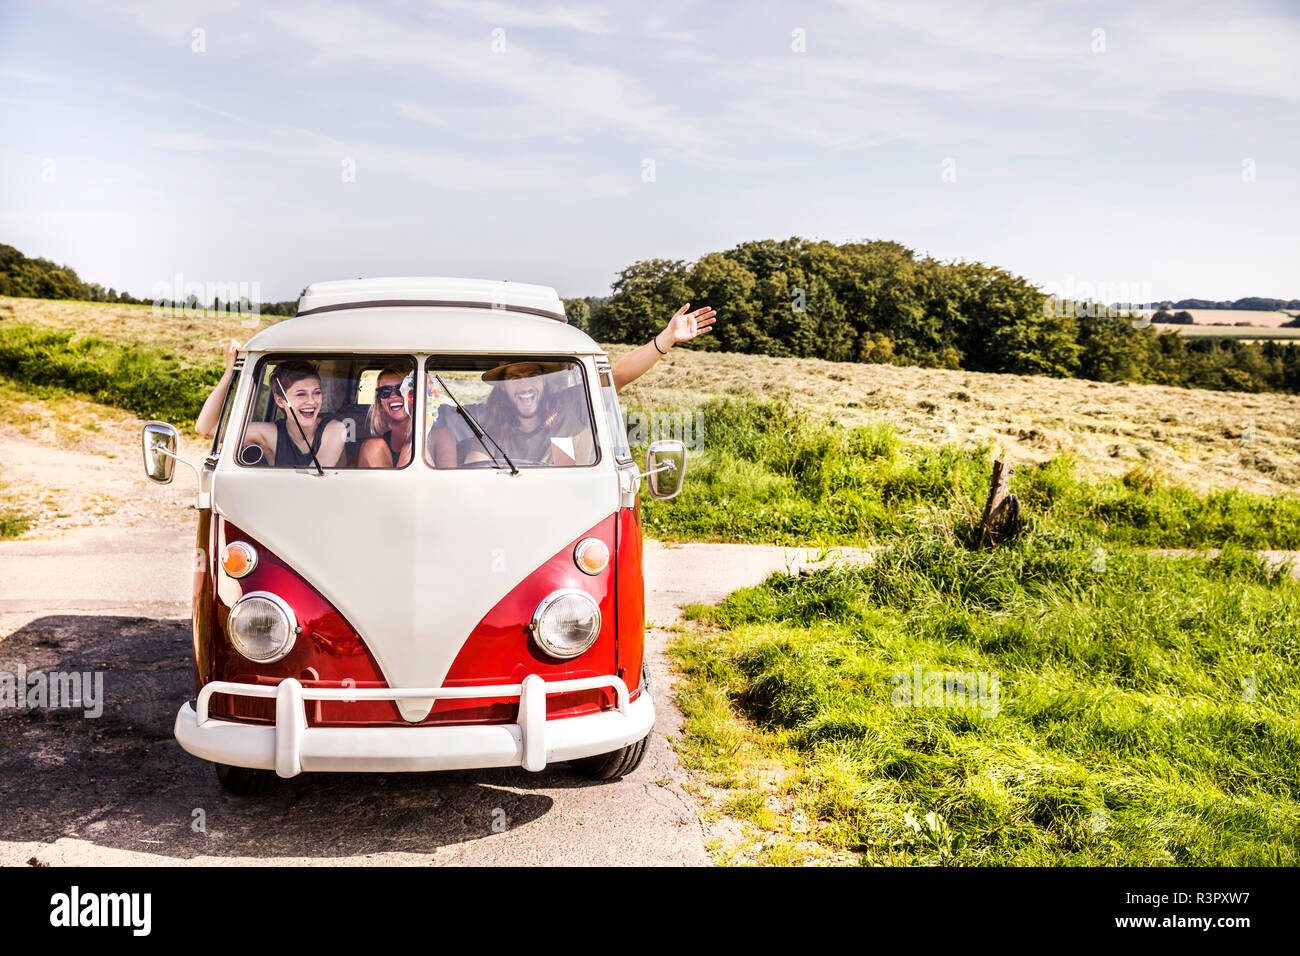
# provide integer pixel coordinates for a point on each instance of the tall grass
(1147, 711)
(143, 379)
(768, 473)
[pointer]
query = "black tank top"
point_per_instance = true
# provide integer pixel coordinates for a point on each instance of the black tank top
(287, 454)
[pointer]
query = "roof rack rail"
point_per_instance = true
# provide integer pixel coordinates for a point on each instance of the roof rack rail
(432, 292)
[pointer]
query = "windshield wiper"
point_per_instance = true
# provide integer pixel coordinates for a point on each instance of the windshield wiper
(319, 469)
(483, 437)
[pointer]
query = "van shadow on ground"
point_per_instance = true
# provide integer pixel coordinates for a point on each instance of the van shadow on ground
(122, 781)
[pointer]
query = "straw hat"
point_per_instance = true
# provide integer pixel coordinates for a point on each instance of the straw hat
(498, 373)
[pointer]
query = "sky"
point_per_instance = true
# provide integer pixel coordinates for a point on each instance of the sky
(1147, 145)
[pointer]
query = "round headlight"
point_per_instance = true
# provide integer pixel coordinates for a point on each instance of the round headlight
(262, 627)
(566, 623)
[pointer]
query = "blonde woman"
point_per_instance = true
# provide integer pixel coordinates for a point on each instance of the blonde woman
(390, 422)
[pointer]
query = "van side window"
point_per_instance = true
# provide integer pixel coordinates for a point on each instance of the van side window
(226, 405)
(614, 415)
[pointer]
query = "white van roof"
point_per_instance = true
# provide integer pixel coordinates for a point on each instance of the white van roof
(439, 292)
(427, 315)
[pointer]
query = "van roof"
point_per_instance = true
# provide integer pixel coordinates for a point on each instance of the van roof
(427, 314)
(495, 294)
(421, 328)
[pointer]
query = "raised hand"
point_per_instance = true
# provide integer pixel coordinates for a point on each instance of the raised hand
(684, 326)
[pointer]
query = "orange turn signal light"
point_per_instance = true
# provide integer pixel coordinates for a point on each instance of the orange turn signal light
(591, 555)
(238, 558)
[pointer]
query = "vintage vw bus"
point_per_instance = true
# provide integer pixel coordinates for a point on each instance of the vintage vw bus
(475, 600)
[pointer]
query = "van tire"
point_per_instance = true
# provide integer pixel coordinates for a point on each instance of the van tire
(617, 763)
(244, 781)
(612, 765)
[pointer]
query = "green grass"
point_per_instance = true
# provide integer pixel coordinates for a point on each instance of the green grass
(1146, 714)
(13, 523)
(769, 474)
(142, 379)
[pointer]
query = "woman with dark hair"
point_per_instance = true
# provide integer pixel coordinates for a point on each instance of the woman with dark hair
(300, 439)
(390, 423)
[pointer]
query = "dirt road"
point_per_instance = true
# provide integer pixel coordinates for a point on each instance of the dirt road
(113, 597)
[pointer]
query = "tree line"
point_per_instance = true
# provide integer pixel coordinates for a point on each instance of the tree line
(857, 302)
(880, 302)
(43, 279)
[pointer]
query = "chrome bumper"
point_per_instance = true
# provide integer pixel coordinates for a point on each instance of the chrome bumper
(291, 746)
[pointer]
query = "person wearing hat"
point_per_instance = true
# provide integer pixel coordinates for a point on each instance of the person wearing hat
(536, 419)
(531, 414)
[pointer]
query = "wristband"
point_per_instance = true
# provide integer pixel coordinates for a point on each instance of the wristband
(655, 340)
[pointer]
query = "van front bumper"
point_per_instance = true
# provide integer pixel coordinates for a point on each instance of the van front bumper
(291, 746)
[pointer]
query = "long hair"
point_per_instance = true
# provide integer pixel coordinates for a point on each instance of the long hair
(377, 419)
(500, 414)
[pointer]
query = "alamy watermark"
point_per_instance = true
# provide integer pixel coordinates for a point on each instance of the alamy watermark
(56, 689)
(74, 908)
(1088, 299)
(646, 427)
(978, 690)
(179, 297)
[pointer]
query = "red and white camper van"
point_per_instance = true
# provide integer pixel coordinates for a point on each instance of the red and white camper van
(479, 603)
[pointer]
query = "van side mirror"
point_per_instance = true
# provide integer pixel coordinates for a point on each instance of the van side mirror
(159, 445)
(665, 467)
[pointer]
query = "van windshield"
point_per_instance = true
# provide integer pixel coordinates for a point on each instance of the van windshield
(330, 411)
(531, 411)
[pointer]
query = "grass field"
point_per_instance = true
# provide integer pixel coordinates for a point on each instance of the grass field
(1136, 711)
(772, 475)
(1125, 708)
(1197, 438)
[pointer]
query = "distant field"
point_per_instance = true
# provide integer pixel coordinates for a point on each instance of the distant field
(1230, 316)
(1199, 438)
(1248, 333)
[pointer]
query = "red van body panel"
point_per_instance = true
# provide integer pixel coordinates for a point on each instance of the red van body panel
(328, 651)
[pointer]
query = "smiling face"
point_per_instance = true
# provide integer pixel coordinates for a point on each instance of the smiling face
(388, 393)
(523, 385)
(304, 398)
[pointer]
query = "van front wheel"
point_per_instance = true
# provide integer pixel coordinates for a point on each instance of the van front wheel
(612, 765)
(244, 781)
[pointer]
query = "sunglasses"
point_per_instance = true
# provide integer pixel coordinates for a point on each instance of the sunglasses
(383, 391)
